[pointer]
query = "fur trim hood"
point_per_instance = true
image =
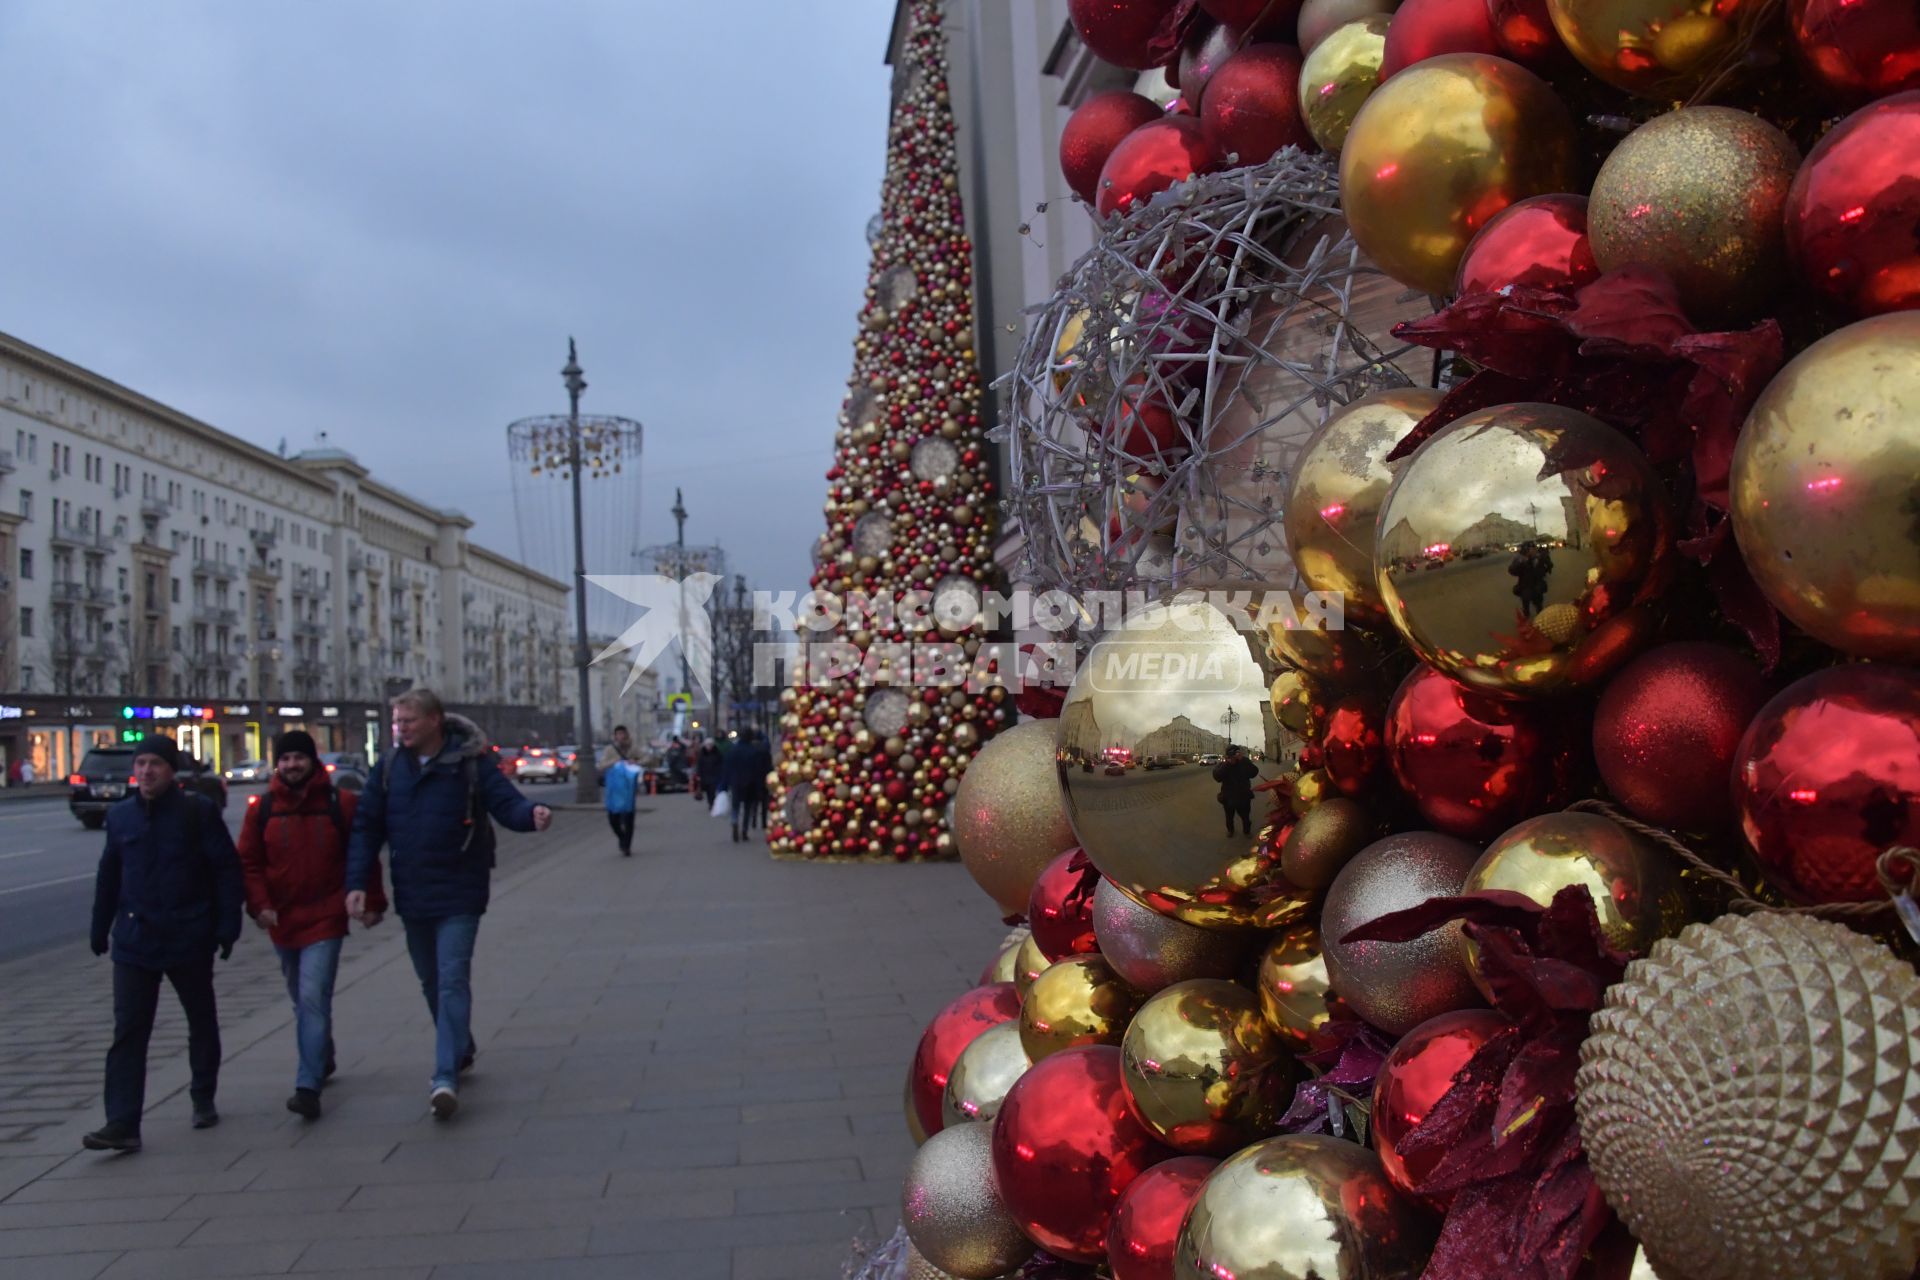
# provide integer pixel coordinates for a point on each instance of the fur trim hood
(465, 740)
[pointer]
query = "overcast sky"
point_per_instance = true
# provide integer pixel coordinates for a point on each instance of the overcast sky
(381, 219)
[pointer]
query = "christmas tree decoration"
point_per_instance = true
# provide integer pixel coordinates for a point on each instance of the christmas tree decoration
(1750, 1102)
(1425, 29)
(1540, 243)
(1149, 160)
(1666, 50)
(952, 1030)
(1351, 743)
(1152, 951)
(1060, 909)
(982, 1074)
(1003, 967)
(1524, 31)
(1321, 18)
(1852, 208)
(1438, 150)
(1396, 986)
(1007, 817)
(1094, 130)
(1131, 33)
(1076, 1001)
(1028, 964)
(1323, 841)
(1473, 764)
(1252, 105)
(1146, 1224)
(1666, 729)
(1340, 73)
(1418, 1073)
(952, 1211)
(1296, 994)
(1255, 15)
(867, 767)
(1204, 1071)
(1700, 194)
(1827, 779)
(1858, 49)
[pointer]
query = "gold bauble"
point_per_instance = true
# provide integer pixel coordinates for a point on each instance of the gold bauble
(1179, 682)
(1324, 840)
(1749, 1101)
(918, 1268)
(951, 1207)
(1007, 816)
(1699, 193)
(1204, 1071)
(982, 1074)
(1029, 962)
(1662, 49)
(1441, 147)
(1303, 1207)
(1824, 503)
(1339, 485)
(1636, 889)
(1309, 789)
(1503, 514)
(1339, 75)
(1152, 951)
(1296, 996)
(1003, 967)
(1321, 18)
(1298, 704)
(1075, 1001)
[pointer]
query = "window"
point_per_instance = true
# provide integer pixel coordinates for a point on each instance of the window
(26, 622)
(176, 591)
(26, 563)
(26, 679)
(26, 504)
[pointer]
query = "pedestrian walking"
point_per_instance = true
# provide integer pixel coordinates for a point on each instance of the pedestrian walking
(620, 777)
(428, 802)
(747, 767)
(27, 774)
(165, 899)
(293, 860)
(1235, 774)
(709, 770)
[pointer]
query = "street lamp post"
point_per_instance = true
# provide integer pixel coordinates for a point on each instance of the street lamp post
(680, 564)
(586, 778)
(1228, 717)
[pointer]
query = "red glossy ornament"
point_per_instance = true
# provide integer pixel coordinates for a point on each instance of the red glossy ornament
(1094, 130)
(1524, 31)
(1666, 730)
(1261, 16)
(1060, 911)
(1858, 49)
(1352, 743)
(1828, 777)
(1423, 29)
(1151, 159)
(1418, 1074)
(1141, 423)
(952, 1030)
(1540, 242)
(1252, 106)
(1853, 211)
(1207, 50)
(1147, 1222)
(1066, 1147)
(1475, 765)
(1128, 33)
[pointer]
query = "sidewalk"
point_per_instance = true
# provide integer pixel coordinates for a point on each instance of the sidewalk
(691, 1066)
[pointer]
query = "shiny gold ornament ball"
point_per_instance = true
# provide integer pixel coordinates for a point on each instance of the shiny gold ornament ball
(1204, 1071)
(1004, 966)
(1441, 147)
(1324, 840)
(1749, 1100)
(1299, 703)
(1339, 75)
(1152, 951)
(1824, 502)
(1700, 193)
(1075, 1001)
(1007, 815)
(1310, 789)
(983, 1073)
(1303, 1207)
(952, 1209)
(1029, 962)
(1661, 49)
(1296, 996)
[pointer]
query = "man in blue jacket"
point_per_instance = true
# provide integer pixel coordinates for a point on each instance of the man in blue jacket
(167, 896)
(428, 802)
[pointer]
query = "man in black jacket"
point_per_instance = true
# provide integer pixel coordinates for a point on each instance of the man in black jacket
(1236, 775)
(167, 896)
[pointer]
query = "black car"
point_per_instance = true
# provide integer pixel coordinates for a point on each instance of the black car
(106, 775)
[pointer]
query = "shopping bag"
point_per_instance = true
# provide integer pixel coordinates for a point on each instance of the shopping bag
(722, 806)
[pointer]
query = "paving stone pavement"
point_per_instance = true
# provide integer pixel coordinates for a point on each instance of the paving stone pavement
(690, 1066)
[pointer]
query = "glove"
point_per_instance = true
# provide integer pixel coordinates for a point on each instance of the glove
(226, 949)
(99, 946)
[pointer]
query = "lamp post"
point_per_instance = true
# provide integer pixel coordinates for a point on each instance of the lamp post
(586, 777)
(1228, 717)
(680, 567)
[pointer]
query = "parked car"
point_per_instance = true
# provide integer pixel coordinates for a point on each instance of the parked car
(106, 774)
(334, 760)
(249, 771)
(539, 764)
(569, 756)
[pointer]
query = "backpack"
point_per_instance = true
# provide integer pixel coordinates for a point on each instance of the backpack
(480, 834)
(333, 811)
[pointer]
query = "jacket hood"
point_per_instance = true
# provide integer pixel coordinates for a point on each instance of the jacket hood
(465, 740)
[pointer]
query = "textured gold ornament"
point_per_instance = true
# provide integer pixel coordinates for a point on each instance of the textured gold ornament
(1075, 1001)
(1699, 193)
(1007, 817)
(918, 1268)
(1824, 504)
(1204, 1071)
(952, 1210)
(1029, 962)
(1338, 76)
(983, 1073)
(1749, 1100)
(1152, 951)
(1296, 996)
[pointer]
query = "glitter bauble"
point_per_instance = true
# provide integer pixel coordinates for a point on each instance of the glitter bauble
(1252, 105)
(953, 1212)
(1296, 995)
(1077, 1001)
(983, 1073)
(1858, 49)
(1128, 33)
(1425, 29)
(1823, 489)
(1853, 207)
(1146, 1225)
(952, 1030)
(1399, 985)
(1007, 816)
(1416, 1075)
(1203, 1069)
(1339, 75)
(1152, 951)
(1540, 243)
(1666, 730)
(1149, 160)
(1092, 132)
(1699, 193)
(1749, 1101)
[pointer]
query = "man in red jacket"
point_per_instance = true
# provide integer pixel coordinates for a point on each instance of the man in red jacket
(293, 855)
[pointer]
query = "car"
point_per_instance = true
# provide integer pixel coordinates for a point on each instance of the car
(343, 760)
(106, 775)
(1159, 762)
(346, 777)
(1115, 770)
(1212, 757)
(249, 771)
(569, 756)
(539, 764)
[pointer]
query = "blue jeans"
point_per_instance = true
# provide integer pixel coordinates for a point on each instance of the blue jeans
(442, 952)
(310, 971)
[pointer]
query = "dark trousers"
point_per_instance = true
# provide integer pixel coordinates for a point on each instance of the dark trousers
(749, 803)
(622, 824)
(136, 998)
(1239, 808)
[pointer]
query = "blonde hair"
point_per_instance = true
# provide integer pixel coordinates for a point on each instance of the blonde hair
(424, 701)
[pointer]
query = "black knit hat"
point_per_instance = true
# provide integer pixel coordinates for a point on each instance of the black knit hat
(295, 740)
(156, 744)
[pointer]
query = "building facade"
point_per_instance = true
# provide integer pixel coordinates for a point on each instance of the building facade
(154, 567)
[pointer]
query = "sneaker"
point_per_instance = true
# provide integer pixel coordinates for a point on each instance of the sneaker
(112, 1137)
(204, 1116)
(444, 1103)
(305, 1103)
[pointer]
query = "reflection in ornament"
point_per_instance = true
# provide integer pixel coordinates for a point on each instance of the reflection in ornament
(1203, 1069)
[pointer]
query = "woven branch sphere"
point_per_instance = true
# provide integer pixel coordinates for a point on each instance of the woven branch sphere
(1750, 1102)
(1165, 390)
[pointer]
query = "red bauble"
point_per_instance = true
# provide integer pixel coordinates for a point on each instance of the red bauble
(1423, 29)
(1094, 130)
(1828, 777)
(1146, 1225)
(1858, 49)
(1141, 423)
(1853, 212)
(1351, 743)
(1666, 730)
(1060, 910)
(1207, 50)
(1252, 107)
(1539, 242)
(1475, 765)
(1261, 16)
(1151, 159)
(952, 1030)
(1524, 31)
(1066, 1147)
(1130, 33)
(1418, 1074)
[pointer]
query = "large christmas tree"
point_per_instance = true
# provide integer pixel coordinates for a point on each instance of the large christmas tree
(867, 766)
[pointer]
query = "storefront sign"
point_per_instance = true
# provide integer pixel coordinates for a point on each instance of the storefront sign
(329, 713)
(11, 713)
(181, 711)
(237, 709)
(294, 712)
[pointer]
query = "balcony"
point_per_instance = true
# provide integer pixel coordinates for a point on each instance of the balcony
(6, 462)
(400, 644)
(217, 615)
(305, 628)
(95, 541)
(264, 540)
(99, 597)
(216, 569)
(155, 509)
(308, 671)
(356, 635)
(68, 592)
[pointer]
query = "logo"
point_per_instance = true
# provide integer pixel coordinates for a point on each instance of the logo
(671, 609)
